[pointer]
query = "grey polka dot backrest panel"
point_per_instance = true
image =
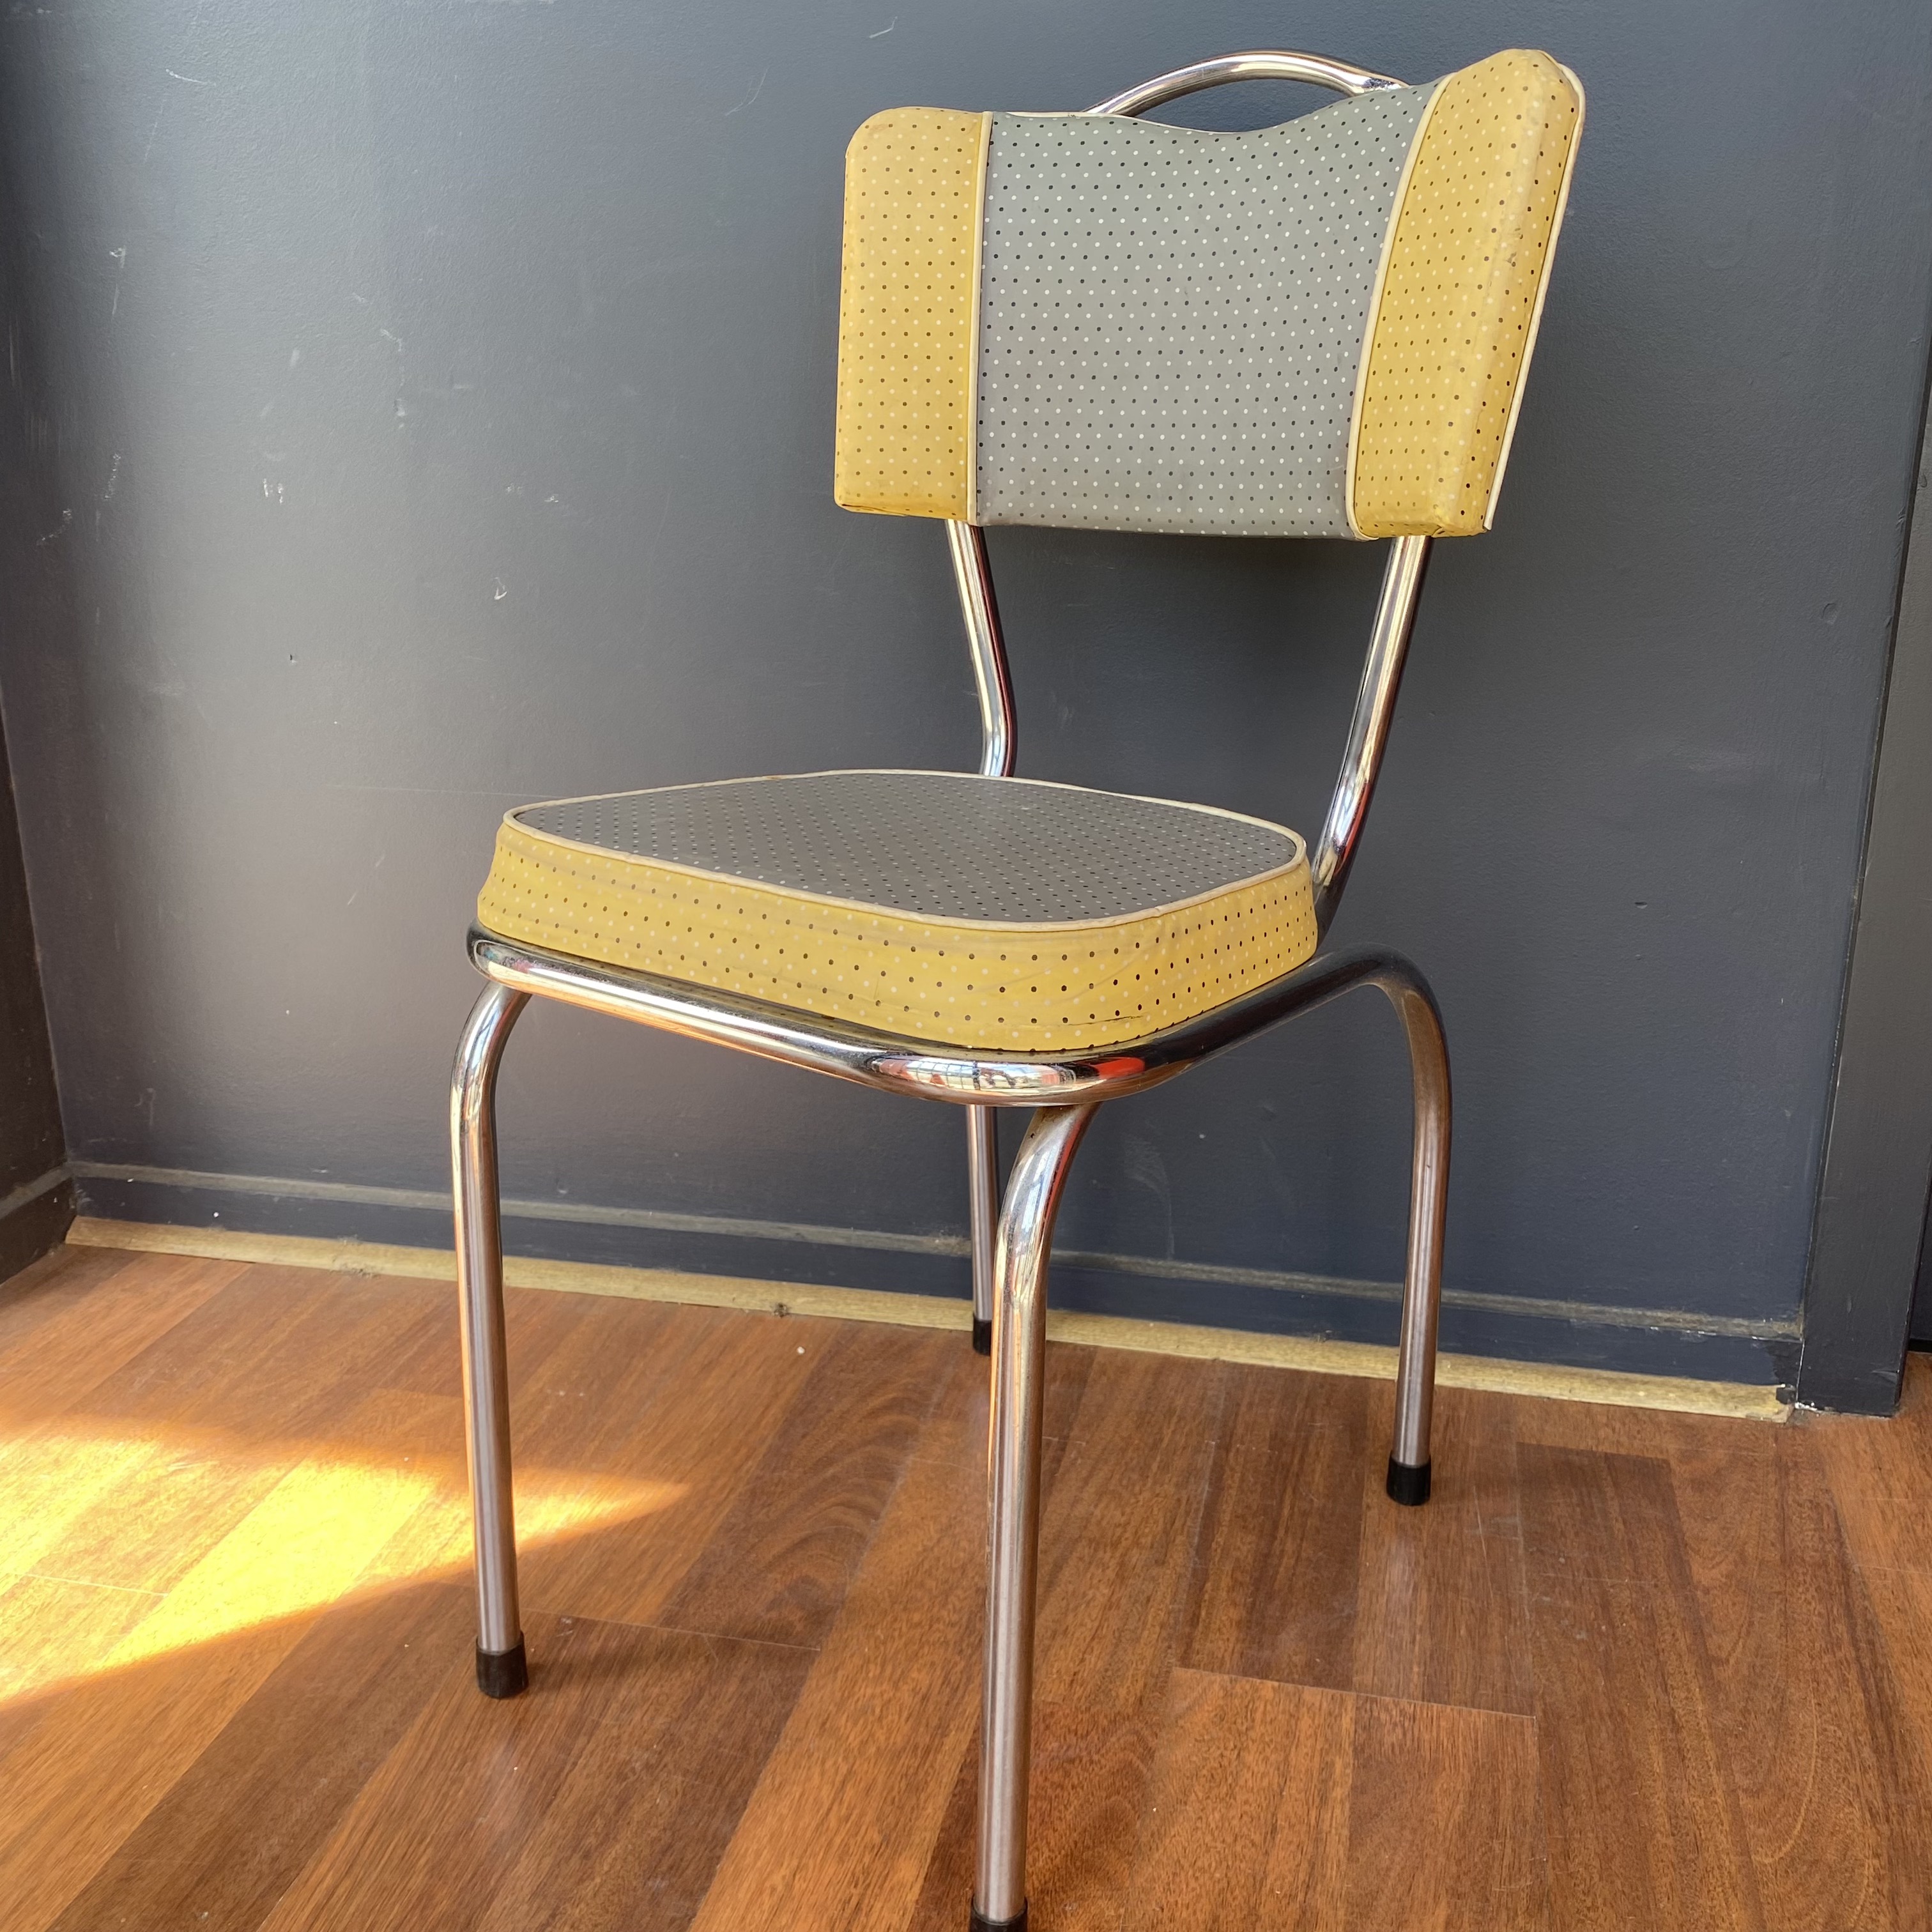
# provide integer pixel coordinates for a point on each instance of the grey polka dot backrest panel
(1171, 321)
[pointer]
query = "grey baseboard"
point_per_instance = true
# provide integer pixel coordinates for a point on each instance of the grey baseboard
(1576, 1334)
(34, 1220)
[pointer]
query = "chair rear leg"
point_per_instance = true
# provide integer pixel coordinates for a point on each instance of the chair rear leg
(1428, 1209)
(1013, 1523)
(982, 1181)
(502, 1669)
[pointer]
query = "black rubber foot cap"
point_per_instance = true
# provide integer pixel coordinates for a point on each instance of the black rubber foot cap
(502, 1673)
(1408, 1482)
(978, 1924)
(983, 1345)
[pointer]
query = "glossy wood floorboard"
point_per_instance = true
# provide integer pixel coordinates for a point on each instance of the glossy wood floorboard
(1627, 1669)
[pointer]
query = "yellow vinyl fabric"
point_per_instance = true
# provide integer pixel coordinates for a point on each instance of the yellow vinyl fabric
(986, 985)
(1461, 292)
(955, 396)
(909, 295)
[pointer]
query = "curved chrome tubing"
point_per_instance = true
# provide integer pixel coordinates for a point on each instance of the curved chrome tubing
(500, 1669)
(999, 748)
(929, 1071)
(1060, 1083)
(1013, 1514)
(1368, 730)
(999, 741)
(1010, 1266)
(1261, 64)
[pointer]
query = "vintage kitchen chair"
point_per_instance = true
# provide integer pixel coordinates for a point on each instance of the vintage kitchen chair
(1319, 330)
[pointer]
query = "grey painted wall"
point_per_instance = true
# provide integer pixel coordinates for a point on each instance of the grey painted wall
(440, 400)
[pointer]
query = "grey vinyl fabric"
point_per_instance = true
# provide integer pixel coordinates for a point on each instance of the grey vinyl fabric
(1171, 321)
(944, 844)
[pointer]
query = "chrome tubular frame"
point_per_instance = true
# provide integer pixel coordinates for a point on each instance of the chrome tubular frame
(1261, 63)
(501, 1670)
(999, 739)
(983, 1215)
(1065, 1089)
(999, 747)
(1428, 1215)
(900, 1066)
(915, 1067)
(1368, 731)
(1013, 1515)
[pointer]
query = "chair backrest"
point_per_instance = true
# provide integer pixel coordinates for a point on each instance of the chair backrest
(1318, 329)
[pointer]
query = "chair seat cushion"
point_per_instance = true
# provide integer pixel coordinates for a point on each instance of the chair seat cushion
(992, 914)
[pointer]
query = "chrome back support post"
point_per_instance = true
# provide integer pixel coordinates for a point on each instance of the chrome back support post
(1368, 731)
(999, 747)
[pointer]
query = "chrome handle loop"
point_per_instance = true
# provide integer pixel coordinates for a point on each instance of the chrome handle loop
(1263, 64)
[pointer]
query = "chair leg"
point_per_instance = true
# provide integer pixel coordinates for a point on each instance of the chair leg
(982, 1181)
(502, 1670)
(1428, 1208)
(1013, 1524)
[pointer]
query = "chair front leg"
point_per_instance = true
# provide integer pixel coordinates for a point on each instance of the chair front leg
(501, 1669)
(1428, 1209)
(1012, 1516)
(983, 1183)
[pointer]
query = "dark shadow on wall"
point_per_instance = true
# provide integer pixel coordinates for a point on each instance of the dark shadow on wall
(36, 616)
(36, 1197)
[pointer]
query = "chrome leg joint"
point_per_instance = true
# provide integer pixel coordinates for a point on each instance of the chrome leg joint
(502, 1670)
(1013, 1515)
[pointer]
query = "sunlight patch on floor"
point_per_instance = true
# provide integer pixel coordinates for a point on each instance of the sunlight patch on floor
(337, 1522)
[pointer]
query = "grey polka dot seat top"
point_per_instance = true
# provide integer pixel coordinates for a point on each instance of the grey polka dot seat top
(941, 844)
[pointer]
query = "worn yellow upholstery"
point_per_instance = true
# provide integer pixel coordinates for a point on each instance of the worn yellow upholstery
(991, 914)
(1461, 294)
(909, 301)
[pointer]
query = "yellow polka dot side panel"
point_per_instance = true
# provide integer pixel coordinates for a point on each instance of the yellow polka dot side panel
(908, 300)
(1469, 252)
(1042, 989)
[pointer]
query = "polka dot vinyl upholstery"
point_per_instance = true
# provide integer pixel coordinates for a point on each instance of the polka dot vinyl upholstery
(990, 914)
(913, 190)
(1468, 261)
(1171, 322)
(1319, 329)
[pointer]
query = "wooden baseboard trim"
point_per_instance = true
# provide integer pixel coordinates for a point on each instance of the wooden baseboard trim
(1558, 1382)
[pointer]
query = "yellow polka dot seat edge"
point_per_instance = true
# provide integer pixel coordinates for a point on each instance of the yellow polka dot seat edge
(992, 915)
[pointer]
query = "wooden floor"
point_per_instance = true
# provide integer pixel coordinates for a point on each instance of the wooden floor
(1628, 1669)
